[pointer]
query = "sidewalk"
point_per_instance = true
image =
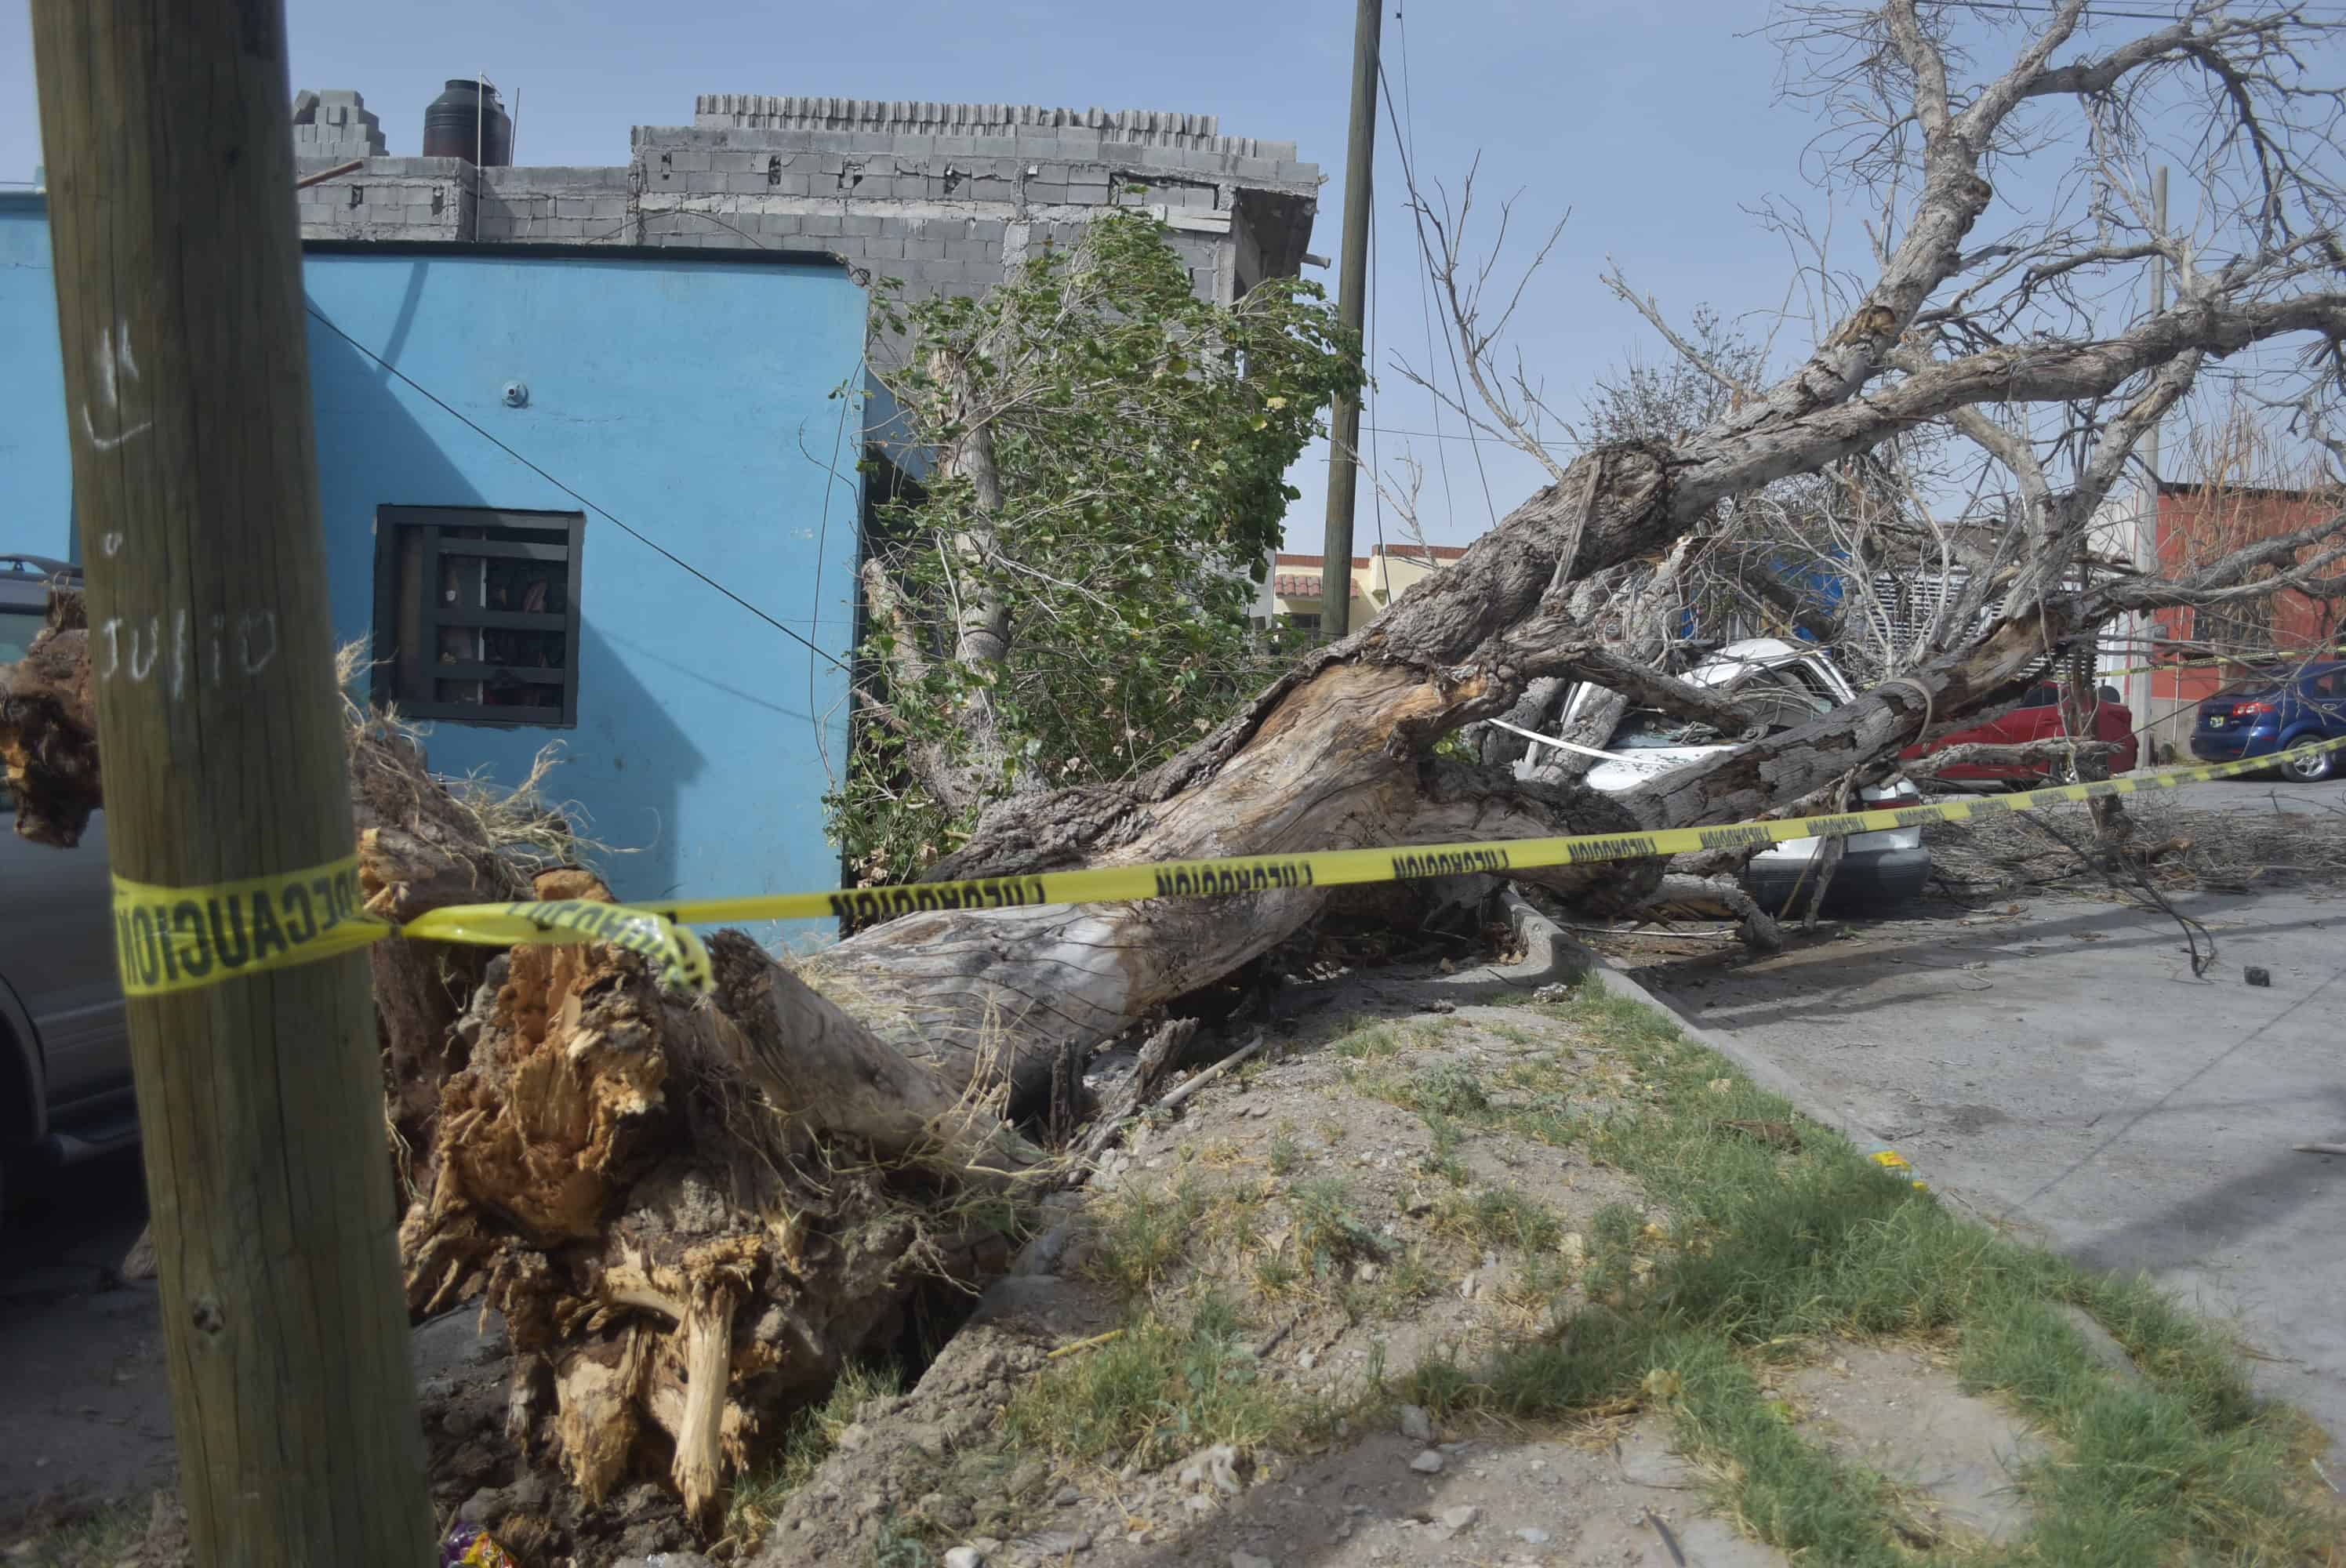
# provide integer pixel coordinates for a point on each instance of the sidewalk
(2061, 1070)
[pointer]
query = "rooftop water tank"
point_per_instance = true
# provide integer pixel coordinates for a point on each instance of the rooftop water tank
(468, 120)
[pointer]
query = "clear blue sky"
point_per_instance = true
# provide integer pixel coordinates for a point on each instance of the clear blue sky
(1656, 124)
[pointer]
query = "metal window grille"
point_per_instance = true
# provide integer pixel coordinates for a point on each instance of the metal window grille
(476, 615)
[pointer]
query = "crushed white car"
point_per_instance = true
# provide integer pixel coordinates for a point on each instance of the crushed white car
(1785, 684)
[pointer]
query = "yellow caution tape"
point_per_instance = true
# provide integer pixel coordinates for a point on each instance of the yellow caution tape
(673, 949)
(178, 939)
(182, 939)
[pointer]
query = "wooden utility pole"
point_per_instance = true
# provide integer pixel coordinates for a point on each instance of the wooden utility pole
(178, 273)
(1351, 295)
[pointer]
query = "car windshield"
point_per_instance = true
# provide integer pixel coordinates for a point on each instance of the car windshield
(1649, 731)
(17, 629)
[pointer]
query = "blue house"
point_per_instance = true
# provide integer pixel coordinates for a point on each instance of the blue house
(607, 497)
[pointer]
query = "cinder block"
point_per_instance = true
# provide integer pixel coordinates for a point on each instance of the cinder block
(987, 228)
(609, 206)
(1288, 169)
(884, 247)
(744, 184)
(822, 223)
(573, 207)
(777, 223)
(1050, 192)
(791, 185)
(1090, 193)
(861, 223)
(925, 249)
(957, 146)
(988, 190)
(947, 271)
(849, 248)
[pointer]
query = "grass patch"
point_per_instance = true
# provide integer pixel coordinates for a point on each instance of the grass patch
(1163, 1389)
(1500, 1217)
(1328, 1234)
(1368, 1042)
(87, 1537)
(1772, 1247)
(1142, 1232)
(809, 1439)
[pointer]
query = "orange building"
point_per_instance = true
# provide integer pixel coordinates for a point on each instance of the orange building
(2195, 524)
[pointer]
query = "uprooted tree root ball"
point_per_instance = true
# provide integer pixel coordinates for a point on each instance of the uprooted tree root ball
(678, 1259)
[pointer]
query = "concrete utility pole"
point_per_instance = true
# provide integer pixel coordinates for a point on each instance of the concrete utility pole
(1351, 295)
(167, 129)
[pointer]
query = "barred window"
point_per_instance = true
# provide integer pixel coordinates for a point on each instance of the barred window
(476, 615)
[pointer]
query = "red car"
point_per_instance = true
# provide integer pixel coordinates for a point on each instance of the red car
(2038, 718)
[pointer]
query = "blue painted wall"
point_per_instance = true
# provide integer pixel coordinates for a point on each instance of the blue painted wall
(680, 392)
(36, 468)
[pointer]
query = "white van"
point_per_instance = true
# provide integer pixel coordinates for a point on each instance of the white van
(1784, 684)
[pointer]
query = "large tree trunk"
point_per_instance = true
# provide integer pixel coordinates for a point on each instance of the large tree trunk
(1332, 756)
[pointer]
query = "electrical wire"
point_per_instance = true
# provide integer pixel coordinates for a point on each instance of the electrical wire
(1458, 379)
(1424, 287)
(603, 513)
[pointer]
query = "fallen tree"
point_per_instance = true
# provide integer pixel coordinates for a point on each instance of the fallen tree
(1340, 751)
(655, 1191)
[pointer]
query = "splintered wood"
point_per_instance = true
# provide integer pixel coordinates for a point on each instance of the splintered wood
(684, 1236)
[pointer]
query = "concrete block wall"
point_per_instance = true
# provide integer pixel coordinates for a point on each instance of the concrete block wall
(945, 197)
(336, 124)
(569, 206)
(389, 198)
(911, 117)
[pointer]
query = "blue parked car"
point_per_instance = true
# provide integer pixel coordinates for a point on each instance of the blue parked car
(2268, 713)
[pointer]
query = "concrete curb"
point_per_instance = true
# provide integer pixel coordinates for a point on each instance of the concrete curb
(1553, 956)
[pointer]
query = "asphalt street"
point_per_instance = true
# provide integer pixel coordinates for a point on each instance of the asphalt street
(2061, 1068)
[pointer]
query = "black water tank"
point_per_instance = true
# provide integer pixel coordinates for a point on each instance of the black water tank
(464, 120)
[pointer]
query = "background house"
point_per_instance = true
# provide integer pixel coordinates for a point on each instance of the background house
(467, 398)
(1290, 592)
(515, 371)
(2195, 524)
(943, 197)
